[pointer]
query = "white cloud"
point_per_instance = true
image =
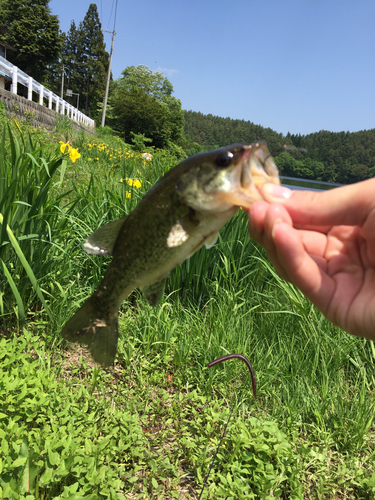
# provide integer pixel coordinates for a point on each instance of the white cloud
(167, 72)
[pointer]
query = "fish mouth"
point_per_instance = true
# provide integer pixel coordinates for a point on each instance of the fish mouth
(254, 168)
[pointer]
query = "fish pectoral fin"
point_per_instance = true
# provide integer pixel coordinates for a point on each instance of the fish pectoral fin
(154, 291)
(102, 241)
(211, 240)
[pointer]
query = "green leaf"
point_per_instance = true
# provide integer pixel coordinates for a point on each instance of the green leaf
(153, 465)
(62, 171)
(154, 483)
(18, 462)
(30, 471)
(46, 476)
(53, 457)
(86, 497)
(88, 446)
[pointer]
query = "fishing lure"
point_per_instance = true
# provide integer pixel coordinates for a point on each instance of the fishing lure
(245, 360)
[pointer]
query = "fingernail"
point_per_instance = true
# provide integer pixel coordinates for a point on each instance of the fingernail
(276, 191)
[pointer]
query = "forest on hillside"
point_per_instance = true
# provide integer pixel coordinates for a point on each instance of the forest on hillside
(142, 109)
(343, 157)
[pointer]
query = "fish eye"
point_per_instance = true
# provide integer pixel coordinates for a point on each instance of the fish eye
(224, 159)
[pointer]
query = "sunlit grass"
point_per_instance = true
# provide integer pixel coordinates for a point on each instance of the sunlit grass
(309, 434)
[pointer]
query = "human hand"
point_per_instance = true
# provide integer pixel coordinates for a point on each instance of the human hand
(324, 243)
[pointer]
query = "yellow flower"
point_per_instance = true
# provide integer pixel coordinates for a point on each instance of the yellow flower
(129, 181)
(128, 194)
(64, 146)
(74, 155)
(137, 183)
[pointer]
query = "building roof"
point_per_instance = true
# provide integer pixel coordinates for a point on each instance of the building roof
(4, 31)
(8, 47)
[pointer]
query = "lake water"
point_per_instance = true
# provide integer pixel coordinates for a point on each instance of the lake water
(303, 184)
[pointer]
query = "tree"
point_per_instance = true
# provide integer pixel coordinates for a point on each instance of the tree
(142, 103)
(74, 78)
(34, 33)
(142, 77)
(141, 113)
(91, 59)
(69, 56)
(213, 131)
(68, 63)
(85, 62)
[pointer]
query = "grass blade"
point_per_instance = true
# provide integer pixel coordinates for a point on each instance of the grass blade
(16, 294)
(25, 265)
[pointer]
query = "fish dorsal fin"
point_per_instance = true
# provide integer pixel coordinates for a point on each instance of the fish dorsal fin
(211, 240)
(102, 241)
(154, 291)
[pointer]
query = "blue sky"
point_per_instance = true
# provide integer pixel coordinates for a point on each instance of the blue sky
(296, 66)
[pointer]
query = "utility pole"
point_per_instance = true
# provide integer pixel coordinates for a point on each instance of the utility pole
(108, 76)
(62, 83)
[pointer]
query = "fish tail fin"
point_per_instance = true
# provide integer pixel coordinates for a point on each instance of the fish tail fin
(96, 330)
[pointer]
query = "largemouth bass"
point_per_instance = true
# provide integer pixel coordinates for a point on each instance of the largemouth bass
(183, 210)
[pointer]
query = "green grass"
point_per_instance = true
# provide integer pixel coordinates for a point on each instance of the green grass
(148, 427)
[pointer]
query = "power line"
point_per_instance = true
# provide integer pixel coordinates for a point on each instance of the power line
(114, 23)
(110, 16)
(109, 69)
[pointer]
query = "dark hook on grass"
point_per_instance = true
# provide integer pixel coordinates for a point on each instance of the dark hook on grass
(245, 360)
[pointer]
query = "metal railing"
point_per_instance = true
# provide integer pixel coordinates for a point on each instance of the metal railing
(55, 102)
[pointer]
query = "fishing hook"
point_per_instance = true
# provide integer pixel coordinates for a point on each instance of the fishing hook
(245, 360)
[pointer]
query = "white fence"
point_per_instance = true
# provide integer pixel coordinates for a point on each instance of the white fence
(54, 102)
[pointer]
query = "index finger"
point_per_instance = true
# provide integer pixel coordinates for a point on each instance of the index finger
(347, 205)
